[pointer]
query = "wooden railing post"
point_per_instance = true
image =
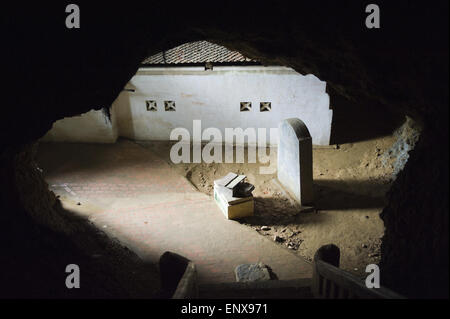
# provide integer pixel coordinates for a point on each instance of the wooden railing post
(329, 254)
(187, 287)
(178, 277)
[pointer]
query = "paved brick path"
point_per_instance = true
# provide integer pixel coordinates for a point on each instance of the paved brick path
(136, 197)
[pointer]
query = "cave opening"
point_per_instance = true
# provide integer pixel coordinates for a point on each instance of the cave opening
(117, 168)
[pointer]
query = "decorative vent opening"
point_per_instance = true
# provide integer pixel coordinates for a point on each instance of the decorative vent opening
(265, 107)
(169, 106)
(151, 106)
(246, 106)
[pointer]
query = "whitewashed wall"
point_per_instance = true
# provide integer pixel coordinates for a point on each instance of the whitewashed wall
(210, 96)
(214, 98)
(90, 127)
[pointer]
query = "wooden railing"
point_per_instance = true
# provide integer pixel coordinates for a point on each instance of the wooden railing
(187, 287)
(331, 282)
(178, 277)
(328, 282)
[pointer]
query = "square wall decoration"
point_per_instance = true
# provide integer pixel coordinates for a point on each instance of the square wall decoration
(246, 106)
(151, 106)
(265, 107)
(169, 106)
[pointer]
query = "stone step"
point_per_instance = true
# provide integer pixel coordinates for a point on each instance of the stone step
(267, 289)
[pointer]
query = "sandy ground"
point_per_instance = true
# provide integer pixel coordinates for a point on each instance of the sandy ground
(350, 182)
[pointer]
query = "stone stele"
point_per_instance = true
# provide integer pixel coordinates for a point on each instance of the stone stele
(294, 169)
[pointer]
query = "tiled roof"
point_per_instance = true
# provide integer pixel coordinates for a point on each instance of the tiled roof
(196, 52)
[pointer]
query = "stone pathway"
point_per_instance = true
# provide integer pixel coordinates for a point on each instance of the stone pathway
(136, 197)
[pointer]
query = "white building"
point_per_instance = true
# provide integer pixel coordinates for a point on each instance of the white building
(207, 82)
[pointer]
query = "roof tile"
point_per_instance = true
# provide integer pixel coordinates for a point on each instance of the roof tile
(196, 52)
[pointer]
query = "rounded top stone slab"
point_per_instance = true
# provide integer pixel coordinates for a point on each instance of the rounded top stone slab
(298, 127)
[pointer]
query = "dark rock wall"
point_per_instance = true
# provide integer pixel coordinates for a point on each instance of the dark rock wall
(414, 249)
(374, 78)
(39, 238)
